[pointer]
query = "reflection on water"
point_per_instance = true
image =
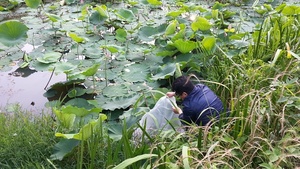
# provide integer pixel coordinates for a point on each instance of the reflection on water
(26, 88)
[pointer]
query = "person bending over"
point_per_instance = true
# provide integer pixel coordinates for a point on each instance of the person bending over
(200, 103)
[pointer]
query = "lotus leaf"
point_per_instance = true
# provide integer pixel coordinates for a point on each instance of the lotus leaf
(113, 48)
(51, 57)
(175, 13)
(125, 14)
(185, 46)
(52, 17)
(209, 43)
(121, 35)
(66, 120)
(76, 38)
(63, 147)
(96, 18)
(64, 67)
(147, 33)
(165, 71)
(116, 90)
(12, 32)
(120, 102)
(154, 2)
(76, 91)
(91, 71)
(201, 23)
(33, 3)
(171, 28)
(291, 10)
(79, 111)
(135, 73)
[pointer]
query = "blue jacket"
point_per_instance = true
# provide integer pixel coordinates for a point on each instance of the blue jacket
(200, 106)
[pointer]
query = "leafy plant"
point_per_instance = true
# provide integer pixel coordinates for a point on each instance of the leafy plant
(13, 32)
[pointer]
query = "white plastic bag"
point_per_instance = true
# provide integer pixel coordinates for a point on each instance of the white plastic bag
(159, 118)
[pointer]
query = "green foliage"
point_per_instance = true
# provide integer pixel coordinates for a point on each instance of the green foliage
(123, 53)
(12, 32)
(22, 143)
(33, 3)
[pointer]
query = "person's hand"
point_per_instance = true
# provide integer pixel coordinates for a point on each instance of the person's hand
(170, 94)
(177, 110)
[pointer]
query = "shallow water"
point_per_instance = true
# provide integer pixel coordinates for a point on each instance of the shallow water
(26, 91)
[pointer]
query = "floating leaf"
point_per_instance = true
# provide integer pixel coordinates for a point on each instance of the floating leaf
(12, 32)
(64, 67)
(91, 71)
(33, 3)
(78, 111)
(116, 90)
(201, 24)
(96, 18)
(100, 14)
(76, 38)
(175, 13)
(147, 33)
(121, 35)
(76, 91)
(185, 46)
(113, 48)
(154, 2)
(135, 73)
(51, 57)
(171, 28)
(120, 102)
(125, 14)
(166, 70)
(52, 17)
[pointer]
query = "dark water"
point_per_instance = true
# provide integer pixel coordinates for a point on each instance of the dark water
(26, 91)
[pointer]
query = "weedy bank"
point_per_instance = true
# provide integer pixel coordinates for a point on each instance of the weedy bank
(119, 60)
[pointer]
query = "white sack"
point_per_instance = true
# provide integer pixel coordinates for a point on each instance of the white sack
(159, 118)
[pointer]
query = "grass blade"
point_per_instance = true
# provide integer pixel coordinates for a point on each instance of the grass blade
(130, 161)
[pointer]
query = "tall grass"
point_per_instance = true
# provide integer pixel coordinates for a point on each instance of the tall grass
(25, 141)
(260, 87)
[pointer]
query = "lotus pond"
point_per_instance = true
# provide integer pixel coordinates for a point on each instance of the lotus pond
(101, 65)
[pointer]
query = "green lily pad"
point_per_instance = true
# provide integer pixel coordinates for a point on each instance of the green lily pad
(64, 67)
(116, 90)
(209, 43)
(76, 38)
(52, 17)
(76, 91)
(33, 3)
(165, 71)
(147, 33)
(63, 148)
(201, 23)
(120, 102)
(12, 32)
(97, 18)
(154, 2)
(91, 71)
(51, 57)
(121, 35)
(185, 46)
(125, 14)
(135, 73)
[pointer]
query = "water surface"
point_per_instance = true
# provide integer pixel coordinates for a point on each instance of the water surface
(26, 90)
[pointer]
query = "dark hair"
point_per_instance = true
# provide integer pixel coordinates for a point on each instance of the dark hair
(182, 84)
